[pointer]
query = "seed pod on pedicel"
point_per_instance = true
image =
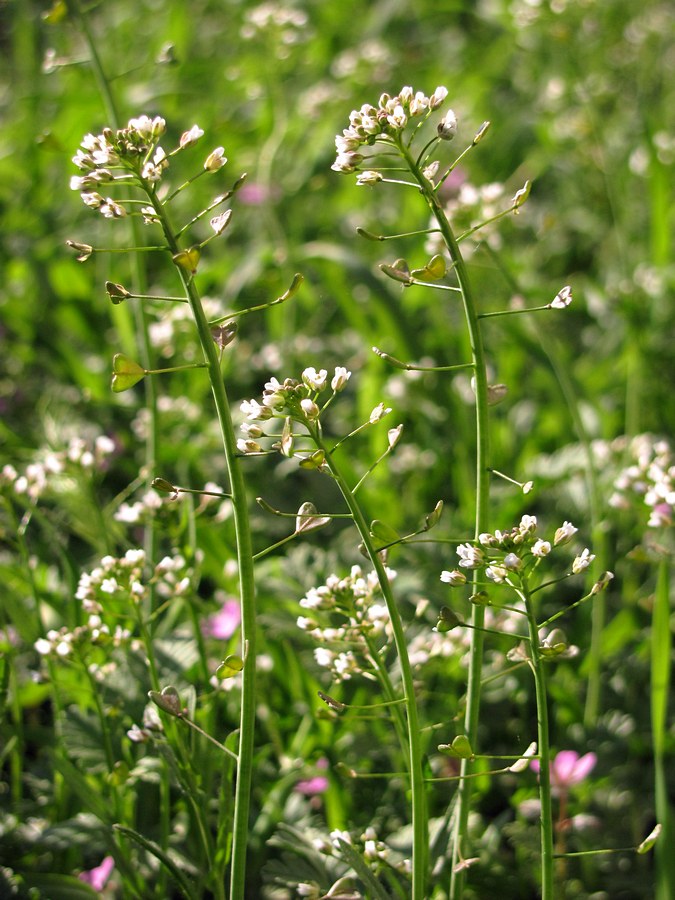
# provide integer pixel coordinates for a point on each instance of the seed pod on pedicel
(224, 334)
(168, 700)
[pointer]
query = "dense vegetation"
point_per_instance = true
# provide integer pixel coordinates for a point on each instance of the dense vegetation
(112, 588)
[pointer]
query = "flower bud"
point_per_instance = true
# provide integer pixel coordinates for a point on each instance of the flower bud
(454, 578)
(215, 160)
(447, 127)
(310, 409)
(438, 97)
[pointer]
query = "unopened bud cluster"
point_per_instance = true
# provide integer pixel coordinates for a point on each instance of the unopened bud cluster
(385, 122)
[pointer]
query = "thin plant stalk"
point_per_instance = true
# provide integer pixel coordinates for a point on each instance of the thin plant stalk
(481, 513)
(414, 749)
(599, 536)
(245, 562)
(537, 664)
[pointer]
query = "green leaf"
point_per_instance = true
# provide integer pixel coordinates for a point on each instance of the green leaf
(159, 854)
(59, 887)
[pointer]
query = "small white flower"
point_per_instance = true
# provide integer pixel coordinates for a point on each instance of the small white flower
(315, 380)
(453, 578)
(347, 162)
(581, 563)
(565, 533)
(512, 562)
(220, 223)
(191, 137)
(379, 413)
(447, 127)
(248, 446)
(541, 548)
(310, 409)
(562, 299)
(398, 118)
(370, 176)
(254, 411)
(470, 557)
(528, 525)
(340, 379)
(111, 210)
(497, 573)
(215, 160)
(438, 97)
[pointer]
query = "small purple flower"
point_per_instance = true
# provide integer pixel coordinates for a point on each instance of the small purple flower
(98, 877)
(223, 624)
(318, 784)
(567, 769)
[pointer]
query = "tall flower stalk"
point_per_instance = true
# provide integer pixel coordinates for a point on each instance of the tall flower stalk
(392, 124)
(380, 147)
(132, 159)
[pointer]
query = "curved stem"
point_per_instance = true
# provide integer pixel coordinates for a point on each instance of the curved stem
(481, 516)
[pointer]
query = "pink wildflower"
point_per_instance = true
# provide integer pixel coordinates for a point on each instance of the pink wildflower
(98, 877)
(567, 769)
(310, 787)
(223, 624)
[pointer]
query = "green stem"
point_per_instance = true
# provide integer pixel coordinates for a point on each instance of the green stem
(481, 515)
(245, 561)
(599, 535)
(546, 815)
(413, 749)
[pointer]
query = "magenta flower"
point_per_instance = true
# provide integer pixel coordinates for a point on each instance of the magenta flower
(223, 624)
(98, 877)
(567, 769)
(310, 787)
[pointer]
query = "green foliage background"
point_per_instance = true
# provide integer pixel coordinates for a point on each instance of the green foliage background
(581, 102)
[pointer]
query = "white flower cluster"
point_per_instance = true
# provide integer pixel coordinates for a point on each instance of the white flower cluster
(109, 594)
(132, 149)
(289, 22)
(651, 478)
(288, 399)
(383, 122)
(506, 553)
(346, 615)
(129, 156)
(51, 465)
